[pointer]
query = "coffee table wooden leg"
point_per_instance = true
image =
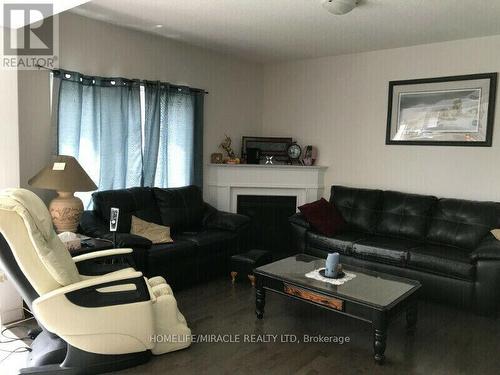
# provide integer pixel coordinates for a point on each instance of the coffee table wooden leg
(379, 346)
(260, 302)
(380, 336)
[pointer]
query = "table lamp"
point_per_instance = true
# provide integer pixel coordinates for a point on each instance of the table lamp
(66, 176)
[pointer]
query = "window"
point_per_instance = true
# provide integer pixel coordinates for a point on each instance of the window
(129, 133)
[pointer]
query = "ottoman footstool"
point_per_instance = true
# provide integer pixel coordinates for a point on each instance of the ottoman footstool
(246, 262)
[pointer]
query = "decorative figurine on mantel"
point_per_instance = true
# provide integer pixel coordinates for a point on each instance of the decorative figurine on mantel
(310, 155)
(231, 156)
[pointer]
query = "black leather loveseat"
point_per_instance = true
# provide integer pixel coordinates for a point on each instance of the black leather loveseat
(446, 244)
(204, 238)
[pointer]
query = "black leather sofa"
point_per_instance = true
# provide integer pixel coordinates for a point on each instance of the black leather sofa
(204, 238)
(446, 244)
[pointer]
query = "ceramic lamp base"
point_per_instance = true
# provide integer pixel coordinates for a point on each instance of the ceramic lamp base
(66, 211)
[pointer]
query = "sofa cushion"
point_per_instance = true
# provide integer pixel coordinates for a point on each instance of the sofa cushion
(462, 223)
(214, 247)
(176, 262)
(156, 233)
(442, 260)
(138, 201)
(323, 217)
(341, 243)
(180, 208)
(206, 237)
(405, 215)
(384, 249)
(359, 207)
(180, 248)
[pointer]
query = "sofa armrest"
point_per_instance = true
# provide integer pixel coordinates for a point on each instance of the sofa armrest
(215, 219)
(299, 219)
(488, 249)
(93, 226)
(299, 228)
(130, 240)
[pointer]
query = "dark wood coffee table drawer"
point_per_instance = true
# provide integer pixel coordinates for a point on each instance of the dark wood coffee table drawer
(314, 297)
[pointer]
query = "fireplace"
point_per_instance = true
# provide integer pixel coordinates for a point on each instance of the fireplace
(269, 228)
(269, 194)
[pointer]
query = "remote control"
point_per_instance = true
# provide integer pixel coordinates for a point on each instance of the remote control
(113, 219)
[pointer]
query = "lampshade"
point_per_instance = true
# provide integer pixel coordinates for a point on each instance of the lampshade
(340, 7)
(64, 173)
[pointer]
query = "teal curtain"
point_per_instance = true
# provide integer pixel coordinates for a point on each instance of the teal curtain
(99, 123)
(152, 130)
(173, 153)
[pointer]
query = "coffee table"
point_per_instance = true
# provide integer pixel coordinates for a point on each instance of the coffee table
(373, 297)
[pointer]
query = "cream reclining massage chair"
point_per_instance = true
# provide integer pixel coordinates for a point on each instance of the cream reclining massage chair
(90, 324)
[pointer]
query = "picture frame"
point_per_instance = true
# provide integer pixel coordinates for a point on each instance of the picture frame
(268, 146)
(444, 111)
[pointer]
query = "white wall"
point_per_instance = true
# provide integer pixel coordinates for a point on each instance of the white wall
(340, 105)
(233, 105)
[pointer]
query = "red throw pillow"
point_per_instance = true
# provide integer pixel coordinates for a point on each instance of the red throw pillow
(323, 217)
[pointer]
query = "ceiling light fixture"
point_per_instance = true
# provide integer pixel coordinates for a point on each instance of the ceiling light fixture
(340, 7)
(158, 26)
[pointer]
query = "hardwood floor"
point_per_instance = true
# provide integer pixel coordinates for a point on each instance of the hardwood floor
(447, 341)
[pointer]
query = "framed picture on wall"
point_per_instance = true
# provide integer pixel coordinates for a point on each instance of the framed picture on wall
(445, 111)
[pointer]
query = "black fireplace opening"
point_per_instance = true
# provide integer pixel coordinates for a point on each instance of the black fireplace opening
(269, 228)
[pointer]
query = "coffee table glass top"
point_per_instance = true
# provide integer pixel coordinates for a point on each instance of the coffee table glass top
(369, 287)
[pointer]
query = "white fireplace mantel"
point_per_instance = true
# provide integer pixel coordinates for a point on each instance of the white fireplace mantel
(225, 182)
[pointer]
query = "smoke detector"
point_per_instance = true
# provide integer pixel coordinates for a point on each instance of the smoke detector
(340, 7)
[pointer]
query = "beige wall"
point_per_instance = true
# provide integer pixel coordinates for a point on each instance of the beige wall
(340, 105)
(337, 103)
(9, 139)
(92, 47)
(35, 137)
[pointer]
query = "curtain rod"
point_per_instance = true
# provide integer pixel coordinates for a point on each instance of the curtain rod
(171, 85)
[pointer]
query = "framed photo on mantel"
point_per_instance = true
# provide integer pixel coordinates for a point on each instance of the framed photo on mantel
(445, 111)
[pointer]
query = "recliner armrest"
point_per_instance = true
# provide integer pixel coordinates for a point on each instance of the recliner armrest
(95, 314)
(215, 219)
(102, 254)
(104, 261)
(488, 249)
(298, 219)
(95, 282)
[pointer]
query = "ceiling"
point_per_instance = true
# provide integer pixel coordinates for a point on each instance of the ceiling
(17, 20)
(279, 30)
